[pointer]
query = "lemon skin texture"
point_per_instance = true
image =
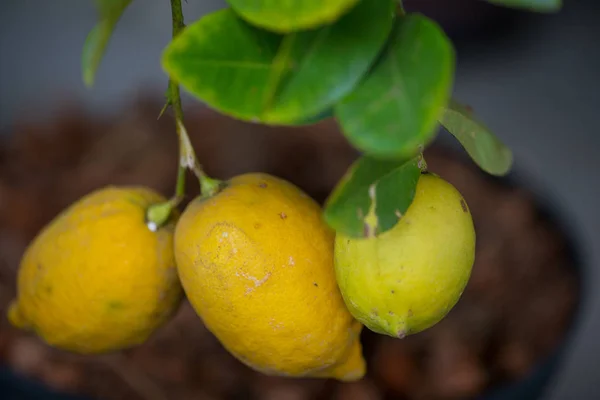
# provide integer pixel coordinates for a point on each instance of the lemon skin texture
(256, 262)
(96, 279)
(407, 279)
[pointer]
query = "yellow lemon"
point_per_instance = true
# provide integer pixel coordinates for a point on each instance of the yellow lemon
(96, 278)
(256, 262)
(405, 280)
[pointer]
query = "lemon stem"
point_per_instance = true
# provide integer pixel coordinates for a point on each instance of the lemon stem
(174, 99)
(421, 163)
(187, 156)
(158, 214)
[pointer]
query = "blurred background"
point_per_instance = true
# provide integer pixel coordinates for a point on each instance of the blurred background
(527, 324)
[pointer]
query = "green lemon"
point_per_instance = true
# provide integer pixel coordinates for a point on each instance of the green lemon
(407, 279)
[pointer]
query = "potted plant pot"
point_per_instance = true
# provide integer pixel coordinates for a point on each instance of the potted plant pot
(498, 343)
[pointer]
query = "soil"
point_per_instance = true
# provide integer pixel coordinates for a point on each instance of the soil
(514, 312)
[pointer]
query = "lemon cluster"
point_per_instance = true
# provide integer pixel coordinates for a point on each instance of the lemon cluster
(261, 269)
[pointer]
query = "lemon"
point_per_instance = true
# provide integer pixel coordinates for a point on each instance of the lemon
(96, 278)
(256, 262)
(405, 280)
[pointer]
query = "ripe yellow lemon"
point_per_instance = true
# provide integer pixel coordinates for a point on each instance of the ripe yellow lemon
(256, 262)
(96, 278)
(405, 280)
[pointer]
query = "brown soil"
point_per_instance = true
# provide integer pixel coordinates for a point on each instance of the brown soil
(514, 312)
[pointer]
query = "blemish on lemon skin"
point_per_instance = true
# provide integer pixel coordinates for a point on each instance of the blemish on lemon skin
(275, 325)
(257, 282)
(224, 236)
(463, 205)
(291, 261)
(115, 305)
(282, 215)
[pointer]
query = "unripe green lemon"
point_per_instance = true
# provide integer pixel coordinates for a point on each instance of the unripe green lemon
(407, 279)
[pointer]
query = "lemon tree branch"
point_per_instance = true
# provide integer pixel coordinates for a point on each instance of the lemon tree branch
(174, 99)
(158, 214)
(187, 156)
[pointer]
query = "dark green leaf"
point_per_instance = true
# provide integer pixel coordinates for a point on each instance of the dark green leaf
(290, 15)
(396, 108)
(110, 12)
(225, 62)
(329, 62)
(531, 5)
(316, 119)
(481, 144)
(372, 196)
(256, 75)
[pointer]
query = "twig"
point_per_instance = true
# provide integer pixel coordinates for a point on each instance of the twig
(159, 214)
(174, 99)
(187, 156)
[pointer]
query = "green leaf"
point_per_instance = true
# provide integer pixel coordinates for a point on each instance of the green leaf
(480, 143)
(372, 196)
(110, 12)
(256, 75)
(396, 108)
(291, 15)
(316, 119)
(531, 5)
